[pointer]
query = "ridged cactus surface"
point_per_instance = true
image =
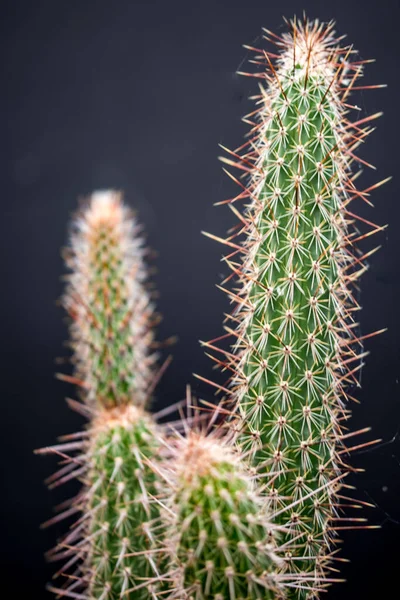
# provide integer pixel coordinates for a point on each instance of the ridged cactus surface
(109, 549)
(294, 262)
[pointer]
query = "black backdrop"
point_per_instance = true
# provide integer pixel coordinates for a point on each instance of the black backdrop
(137, 95)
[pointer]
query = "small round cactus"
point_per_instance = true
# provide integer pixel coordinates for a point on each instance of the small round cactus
(219, 541)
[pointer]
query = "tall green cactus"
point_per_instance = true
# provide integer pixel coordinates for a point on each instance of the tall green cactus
(295, 261)
(110, 545)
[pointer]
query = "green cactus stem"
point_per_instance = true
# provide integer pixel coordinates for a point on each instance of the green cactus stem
(295, 261)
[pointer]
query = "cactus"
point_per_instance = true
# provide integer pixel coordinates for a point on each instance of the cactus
(110, 545)
(252, 513)
(295, 261)
(219, 541)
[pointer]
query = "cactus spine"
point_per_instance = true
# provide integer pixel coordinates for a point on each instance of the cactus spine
(296, 346)
(110, 544)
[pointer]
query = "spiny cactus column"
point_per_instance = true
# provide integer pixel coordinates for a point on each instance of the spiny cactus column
(295, 261)
(110, 545)
(220, 544)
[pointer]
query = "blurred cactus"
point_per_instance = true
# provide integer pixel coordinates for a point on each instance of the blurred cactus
(111, 330)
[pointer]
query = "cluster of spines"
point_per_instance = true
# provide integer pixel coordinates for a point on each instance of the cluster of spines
(295, 259)
(108, 549)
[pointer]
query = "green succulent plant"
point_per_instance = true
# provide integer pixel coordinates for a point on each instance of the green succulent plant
(294, 262)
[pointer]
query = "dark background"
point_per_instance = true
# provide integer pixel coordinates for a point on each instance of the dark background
(137, 96)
